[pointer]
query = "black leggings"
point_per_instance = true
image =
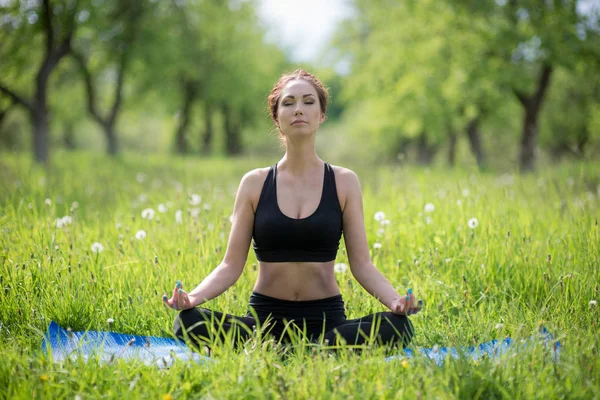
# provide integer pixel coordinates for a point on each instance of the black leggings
(315, 320)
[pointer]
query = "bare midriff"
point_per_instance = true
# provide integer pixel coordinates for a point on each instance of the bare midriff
(297, 281)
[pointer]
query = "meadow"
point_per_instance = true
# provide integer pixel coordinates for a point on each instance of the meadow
(491, 254)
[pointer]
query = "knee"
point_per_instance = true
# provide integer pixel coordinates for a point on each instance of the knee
(403, 327)
(184, 320)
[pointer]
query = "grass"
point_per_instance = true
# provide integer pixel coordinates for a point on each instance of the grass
(533, 259)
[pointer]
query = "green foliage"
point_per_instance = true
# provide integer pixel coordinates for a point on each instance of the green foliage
(532, 259)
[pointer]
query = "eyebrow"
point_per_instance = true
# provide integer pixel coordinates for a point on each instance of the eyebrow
(306, 95)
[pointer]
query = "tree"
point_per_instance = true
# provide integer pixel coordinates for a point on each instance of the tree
(54, 23)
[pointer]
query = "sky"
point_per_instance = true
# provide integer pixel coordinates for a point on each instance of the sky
(304, 27)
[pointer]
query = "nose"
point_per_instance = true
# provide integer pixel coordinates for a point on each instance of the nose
(298, 110)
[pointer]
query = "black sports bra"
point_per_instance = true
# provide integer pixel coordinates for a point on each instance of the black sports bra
(279, 238)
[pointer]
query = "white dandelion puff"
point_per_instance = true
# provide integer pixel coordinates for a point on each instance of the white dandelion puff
(148, 213)
(428, 220)
(48, 202)
(376, 245)
(179, 216)
(429, 208)
(58, 223)
(380, 232)
(74, 205)
(459, 202)
(143, 198)
(194, 212)
(141, 234)
(118, 225)
(162, 208)
(379, 216)
(195, 199)
(447, 260)
(499, 326)
(140, 177)
(473, 223)
(593, 303)
(206, 207)
(97, 247)
(340, 268)
(110, 321)
(465, 192)
(385, 222)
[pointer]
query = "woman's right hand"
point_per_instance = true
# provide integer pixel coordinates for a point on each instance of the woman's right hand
(180, 299)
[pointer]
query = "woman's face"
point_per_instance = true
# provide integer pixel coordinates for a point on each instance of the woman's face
(299, 111)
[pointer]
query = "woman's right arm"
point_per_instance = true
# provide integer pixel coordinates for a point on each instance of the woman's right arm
(230, 269)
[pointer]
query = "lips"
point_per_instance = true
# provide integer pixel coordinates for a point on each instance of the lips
(298, 121)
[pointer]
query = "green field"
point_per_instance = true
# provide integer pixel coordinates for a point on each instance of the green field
(533, 258)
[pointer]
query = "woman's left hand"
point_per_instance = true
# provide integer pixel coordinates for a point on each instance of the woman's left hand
(406, 305)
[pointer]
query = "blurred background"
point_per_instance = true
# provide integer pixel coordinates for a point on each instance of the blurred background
(496, 84)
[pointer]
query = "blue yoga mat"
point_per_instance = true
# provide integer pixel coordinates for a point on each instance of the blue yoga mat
(109, 346)
(163, 352)
(492, 349)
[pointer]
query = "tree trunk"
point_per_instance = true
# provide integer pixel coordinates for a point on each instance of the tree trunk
(233, 145)
(475, 142)
(532, 106)
(112, 143)
(189, 96)
(425, 151)
(452, 149)
(40, 136)
(69, 136)
(207, 136)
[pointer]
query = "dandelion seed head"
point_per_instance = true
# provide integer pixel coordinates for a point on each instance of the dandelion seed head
(140, 177)
(380, 232)
(340, 268)
(593, 303)
(376, 245)
(473, 223)
(428, 220)
(195, 199)
(206, 206)
(141, 234)
(429, 208)
(459, 202)
(74, 205)
(162, 208)
(110, 321)
(499, 326)
(148, 213)
(447, 260)
(48, 202)
(179, 216)
(465, 192)
(379, 216)
(385, 222)
(97, 247)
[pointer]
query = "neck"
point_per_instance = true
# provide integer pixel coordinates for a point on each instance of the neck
(300, 157)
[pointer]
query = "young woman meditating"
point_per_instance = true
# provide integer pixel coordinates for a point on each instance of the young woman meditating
(295, 213)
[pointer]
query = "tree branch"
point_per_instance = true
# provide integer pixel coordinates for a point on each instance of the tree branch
(119, 88)
(523, 98)
(47, 19)
(16, 98)
(543, 83)
(89, 86)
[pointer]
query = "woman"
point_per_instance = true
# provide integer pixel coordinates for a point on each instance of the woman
(295, 212)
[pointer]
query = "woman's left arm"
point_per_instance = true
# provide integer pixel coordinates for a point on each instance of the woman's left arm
(357, 248)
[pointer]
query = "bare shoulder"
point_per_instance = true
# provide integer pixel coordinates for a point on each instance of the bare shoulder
(345, 178)
(252, 183)
(347, 185)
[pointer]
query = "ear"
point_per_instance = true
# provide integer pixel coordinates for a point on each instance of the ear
(323, 118)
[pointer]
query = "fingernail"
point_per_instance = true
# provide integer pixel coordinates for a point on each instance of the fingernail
(409, 291)
(420, 302)
(164, 297)
(178, 284)
(180, 291)
(407, 298)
